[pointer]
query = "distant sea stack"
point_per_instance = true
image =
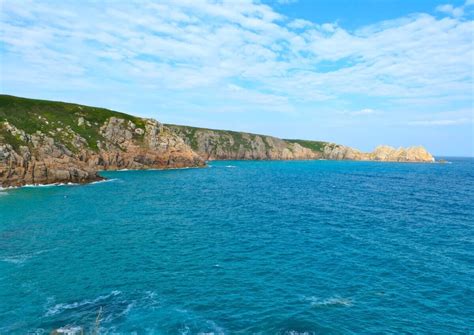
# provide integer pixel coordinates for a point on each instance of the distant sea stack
(382, 153)
(46, 142)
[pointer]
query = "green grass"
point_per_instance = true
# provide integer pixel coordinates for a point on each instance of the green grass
(7, 137)
(33, 115)
(317, 146)
(239, 140)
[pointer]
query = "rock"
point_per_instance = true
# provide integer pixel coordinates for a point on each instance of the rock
(43, 160)
(227, 145)
(74, 149)
(381, 153)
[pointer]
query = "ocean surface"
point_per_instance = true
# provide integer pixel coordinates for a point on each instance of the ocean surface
(305, 247)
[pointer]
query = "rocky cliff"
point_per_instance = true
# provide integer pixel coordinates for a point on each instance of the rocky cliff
(214, 144)
(381, 153)
(44, 142)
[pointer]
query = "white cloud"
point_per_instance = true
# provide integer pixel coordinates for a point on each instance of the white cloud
(199, 45)
(365, 111)
(286, 2)
(445, 122)
(451, 10)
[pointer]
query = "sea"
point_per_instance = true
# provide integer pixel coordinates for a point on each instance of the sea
(244, 247)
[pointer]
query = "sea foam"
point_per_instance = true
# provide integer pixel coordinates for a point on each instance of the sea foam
(59, 308)
(332, 301)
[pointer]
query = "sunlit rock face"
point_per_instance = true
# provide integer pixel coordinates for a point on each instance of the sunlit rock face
(381, 153)
(66, 157)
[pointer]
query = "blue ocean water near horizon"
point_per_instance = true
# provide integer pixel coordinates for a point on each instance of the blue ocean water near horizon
(244, 247)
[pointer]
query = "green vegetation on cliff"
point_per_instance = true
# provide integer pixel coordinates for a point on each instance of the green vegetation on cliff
(54, 118)
(317, 146)
(238, 138)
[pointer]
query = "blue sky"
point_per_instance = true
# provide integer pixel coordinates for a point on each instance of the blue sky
(360, 73)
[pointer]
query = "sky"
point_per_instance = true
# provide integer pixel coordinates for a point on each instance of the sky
(359, 73)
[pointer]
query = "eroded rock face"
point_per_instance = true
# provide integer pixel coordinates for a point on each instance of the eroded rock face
(42, 162)
(62, 155)
(230, 145)
(40, 159)
(221, 145)
(381, 153)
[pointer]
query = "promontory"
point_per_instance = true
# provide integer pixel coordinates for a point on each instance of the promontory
(47, 142)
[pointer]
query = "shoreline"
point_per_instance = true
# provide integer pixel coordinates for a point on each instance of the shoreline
(105, 179)
(101, 179)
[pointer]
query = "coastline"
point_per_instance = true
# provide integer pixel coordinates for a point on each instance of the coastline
(102, 179)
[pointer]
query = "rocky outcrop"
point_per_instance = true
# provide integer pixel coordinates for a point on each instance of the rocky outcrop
(382, 153)
(230, 145)
(44, 142)
(39, 158)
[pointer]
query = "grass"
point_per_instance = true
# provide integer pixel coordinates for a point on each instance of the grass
(317, 146)
(32, 115)
(240, 139)
(58, 119)
(7, 137)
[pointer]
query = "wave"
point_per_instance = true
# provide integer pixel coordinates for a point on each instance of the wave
(49, 185)
(332, 301)
(69, 330)
(60, 308)
(230, 166)
(15, 259)
(21, 259)
(2, 189)
(103, 181)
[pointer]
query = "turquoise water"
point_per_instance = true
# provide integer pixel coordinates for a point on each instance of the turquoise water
(245, 247)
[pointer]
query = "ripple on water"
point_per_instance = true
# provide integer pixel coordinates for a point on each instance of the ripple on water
(277, 248)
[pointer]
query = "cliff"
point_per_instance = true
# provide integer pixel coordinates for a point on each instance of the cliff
(381, 153)
(214, 144)
(43, 142)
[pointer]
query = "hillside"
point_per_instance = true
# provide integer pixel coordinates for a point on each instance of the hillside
(214, 144)
(44, 142)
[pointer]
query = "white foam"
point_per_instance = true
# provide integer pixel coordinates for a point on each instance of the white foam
(70, 330)
(59, 308)
(332, 301)
(15, 259)
(20, 259)
(102, 181)
(37, 185)
(49, 185)
(230, 166)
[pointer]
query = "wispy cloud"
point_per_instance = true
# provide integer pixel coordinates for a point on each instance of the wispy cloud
(196, 44)
(242, 57)
(446, 122)
(454, 11)
(365, 111)
(451, 10)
